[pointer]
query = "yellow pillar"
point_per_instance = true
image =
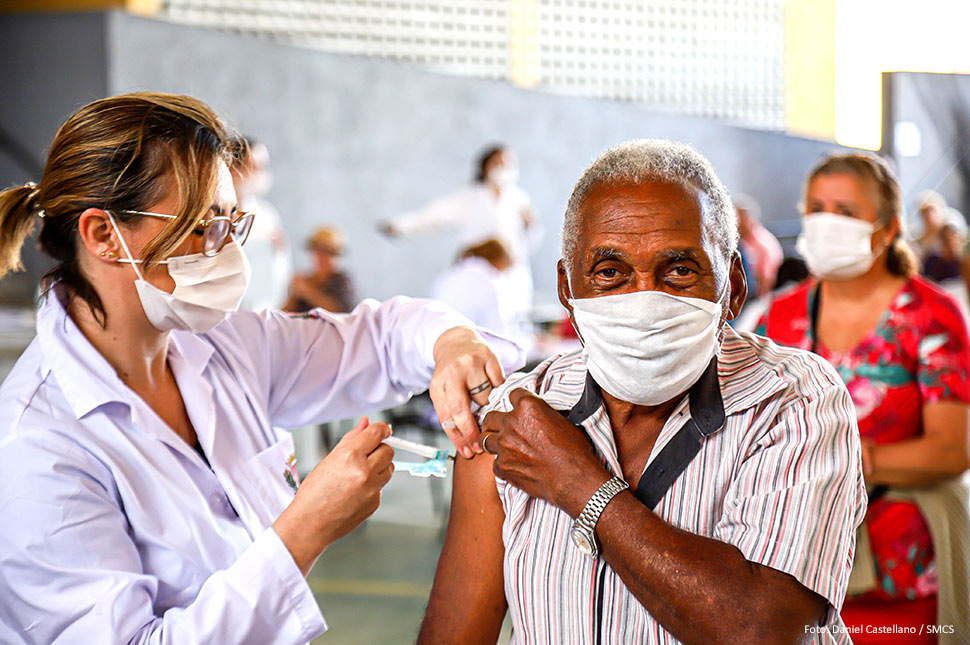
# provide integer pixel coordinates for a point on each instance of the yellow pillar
(524, 42)
(141, 7)
(810, 68)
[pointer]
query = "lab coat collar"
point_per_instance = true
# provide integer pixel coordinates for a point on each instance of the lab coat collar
(83, 375)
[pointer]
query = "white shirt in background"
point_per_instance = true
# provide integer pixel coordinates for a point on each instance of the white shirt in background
(269, 254)
(478, 215)
(484, 295)
(115, 530)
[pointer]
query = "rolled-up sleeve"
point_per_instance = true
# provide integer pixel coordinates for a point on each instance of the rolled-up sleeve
(798, 493)
(70, 571)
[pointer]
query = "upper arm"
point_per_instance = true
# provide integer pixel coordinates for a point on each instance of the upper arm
(467, 603)
(323, 366)
(943, 375)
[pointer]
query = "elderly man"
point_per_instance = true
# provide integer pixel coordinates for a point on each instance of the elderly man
(675, 480)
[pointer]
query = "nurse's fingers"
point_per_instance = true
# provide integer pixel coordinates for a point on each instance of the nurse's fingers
(363, 423)
(367, 439)
(381, 458)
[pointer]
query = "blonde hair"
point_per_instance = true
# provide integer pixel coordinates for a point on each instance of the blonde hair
(873, 171)
(121, 153)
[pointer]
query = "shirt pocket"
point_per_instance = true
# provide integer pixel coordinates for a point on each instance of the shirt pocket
(272, 476)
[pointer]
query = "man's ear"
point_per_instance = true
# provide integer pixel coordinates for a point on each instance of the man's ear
(97, 235)
(739, 287)
(565, 294)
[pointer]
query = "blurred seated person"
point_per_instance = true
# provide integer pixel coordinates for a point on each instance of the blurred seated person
(900, 344)
(934, 214)
(477, 286)
(791, 272)
(758, 245)
(325, 286)
(943, 263)
(744, 456)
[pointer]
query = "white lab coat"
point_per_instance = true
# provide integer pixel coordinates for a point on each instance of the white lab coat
(478, 215)
(114, 530)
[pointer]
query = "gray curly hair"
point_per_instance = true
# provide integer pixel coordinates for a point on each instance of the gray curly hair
(641, 160)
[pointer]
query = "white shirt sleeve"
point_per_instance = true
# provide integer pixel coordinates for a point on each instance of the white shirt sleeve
(443, 213)
(322, 366)
(71, 573)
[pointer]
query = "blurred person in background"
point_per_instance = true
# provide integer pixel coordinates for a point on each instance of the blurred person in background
(325, 286)
(147, 492)
(267, 246)
(934, 215)
(758, 245)
(477, 286)
(900, 344)
(942, 264)
(493, 206)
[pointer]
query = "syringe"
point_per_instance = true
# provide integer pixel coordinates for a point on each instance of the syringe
(429, 452)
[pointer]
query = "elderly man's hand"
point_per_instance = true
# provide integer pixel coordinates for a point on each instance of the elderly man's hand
(539, 451)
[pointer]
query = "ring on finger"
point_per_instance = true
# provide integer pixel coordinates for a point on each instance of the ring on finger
(485, 437)
(478, 389)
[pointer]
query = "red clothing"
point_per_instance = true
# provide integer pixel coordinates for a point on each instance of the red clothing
(918, 353)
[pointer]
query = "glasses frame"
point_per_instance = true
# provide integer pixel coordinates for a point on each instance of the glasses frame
(205, 223)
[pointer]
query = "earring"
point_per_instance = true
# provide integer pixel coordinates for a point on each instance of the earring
(111, 254)
(102, 254)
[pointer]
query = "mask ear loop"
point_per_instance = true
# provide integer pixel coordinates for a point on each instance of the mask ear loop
(121, 238)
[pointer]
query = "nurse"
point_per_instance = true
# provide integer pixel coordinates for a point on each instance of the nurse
(146, 494)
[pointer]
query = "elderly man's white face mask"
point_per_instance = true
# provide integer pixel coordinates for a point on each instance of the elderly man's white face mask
(647, 347)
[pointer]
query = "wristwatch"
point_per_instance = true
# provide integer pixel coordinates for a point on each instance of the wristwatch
(582, 533)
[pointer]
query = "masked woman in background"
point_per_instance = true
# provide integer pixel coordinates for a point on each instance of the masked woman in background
(900, 344)
(493, 206)
(147, 495)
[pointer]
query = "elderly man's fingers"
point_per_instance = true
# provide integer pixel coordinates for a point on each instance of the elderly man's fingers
(518, 394)
(494, 421)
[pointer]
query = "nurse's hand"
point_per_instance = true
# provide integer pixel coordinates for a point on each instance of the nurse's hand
(465, 370)
(342, 491)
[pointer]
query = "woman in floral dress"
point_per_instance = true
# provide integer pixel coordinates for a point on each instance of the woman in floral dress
(899, 343)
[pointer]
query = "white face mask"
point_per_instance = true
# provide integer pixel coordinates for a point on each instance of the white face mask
(647, 347)
(207, 289)
(836, 247)
(504, 177)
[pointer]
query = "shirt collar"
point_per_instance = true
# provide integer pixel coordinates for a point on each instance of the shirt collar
(706, 404)
(86, 379)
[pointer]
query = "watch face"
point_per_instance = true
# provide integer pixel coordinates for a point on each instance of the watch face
(583, 541)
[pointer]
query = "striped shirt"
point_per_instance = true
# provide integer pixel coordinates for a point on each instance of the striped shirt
(778, 475)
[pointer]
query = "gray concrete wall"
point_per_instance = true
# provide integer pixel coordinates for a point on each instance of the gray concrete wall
(49, 66)
(357, 140)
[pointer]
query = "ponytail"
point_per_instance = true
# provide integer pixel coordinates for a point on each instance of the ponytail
(17, 208)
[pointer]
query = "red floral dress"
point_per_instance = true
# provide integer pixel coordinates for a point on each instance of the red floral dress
(917, 354)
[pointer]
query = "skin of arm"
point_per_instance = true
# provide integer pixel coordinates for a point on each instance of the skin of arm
(700, 589)
(939, 454)
(467, 603)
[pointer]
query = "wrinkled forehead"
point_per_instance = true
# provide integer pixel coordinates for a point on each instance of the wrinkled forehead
(645, 207)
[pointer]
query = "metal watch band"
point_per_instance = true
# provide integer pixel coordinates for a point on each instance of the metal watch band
(594, 507)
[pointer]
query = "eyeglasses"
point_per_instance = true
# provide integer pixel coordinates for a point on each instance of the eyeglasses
(215, 230)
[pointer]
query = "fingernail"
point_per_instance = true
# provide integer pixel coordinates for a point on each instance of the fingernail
(467, 453)
(478, 448)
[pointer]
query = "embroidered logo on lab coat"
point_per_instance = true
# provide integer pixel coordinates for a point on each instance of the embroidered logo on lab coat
(290, 474)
